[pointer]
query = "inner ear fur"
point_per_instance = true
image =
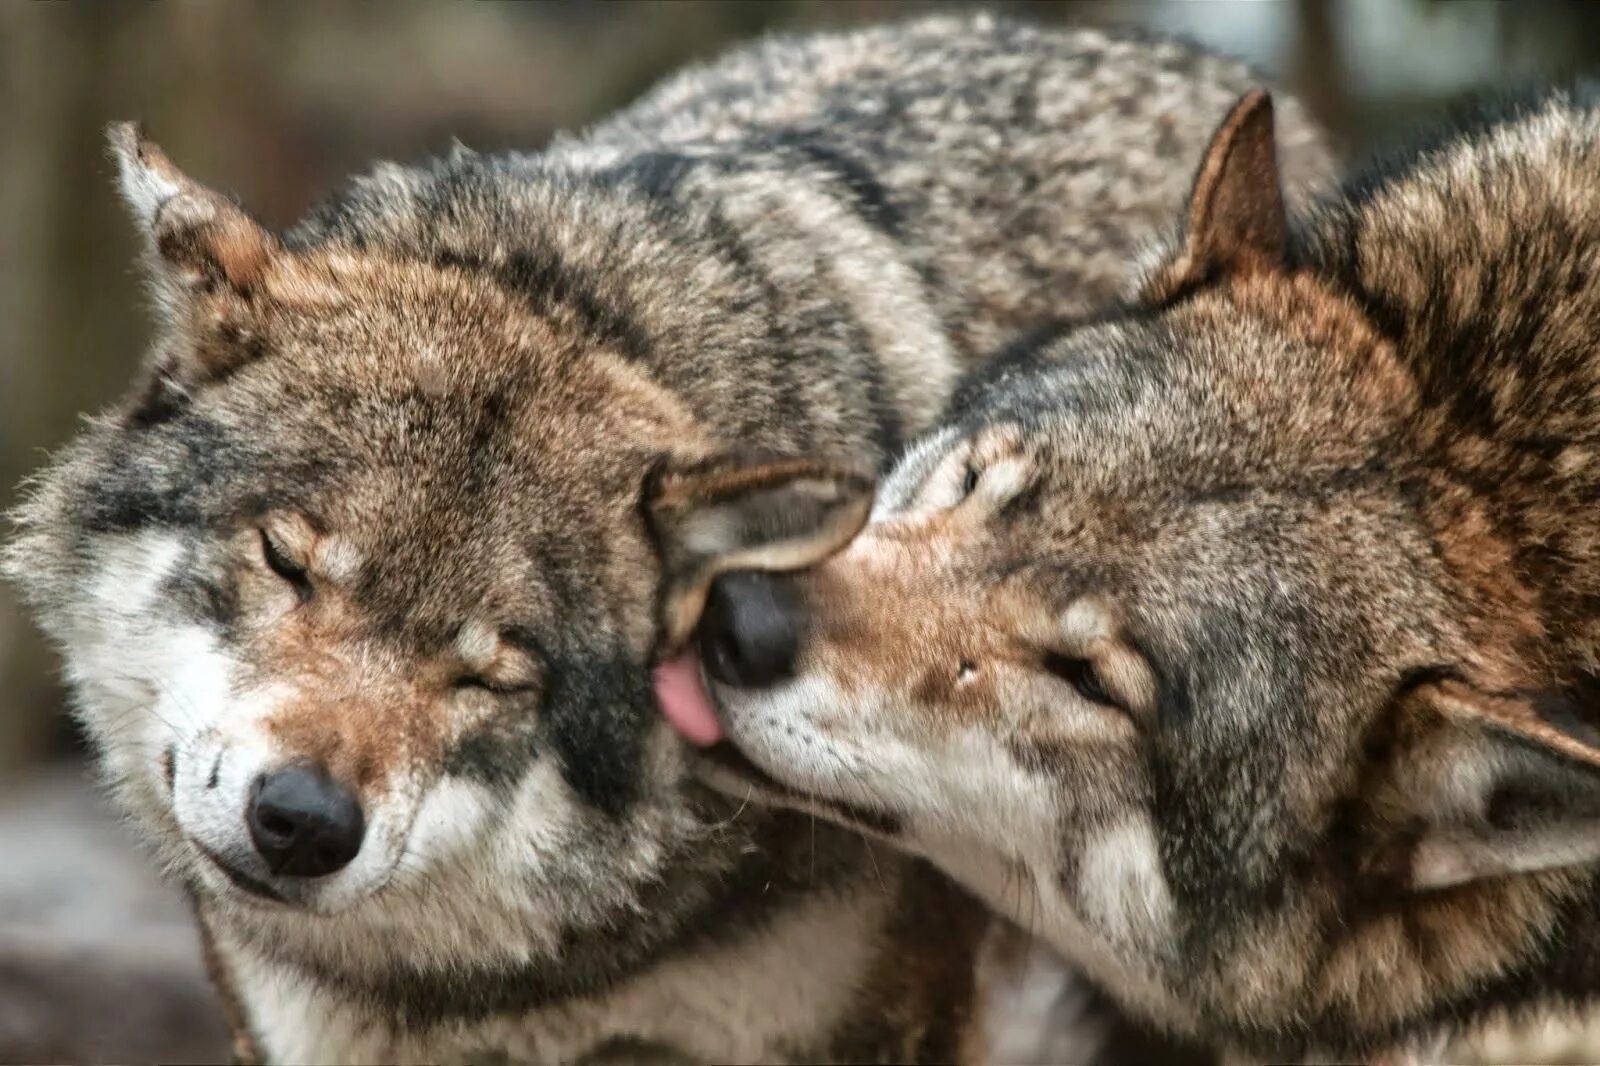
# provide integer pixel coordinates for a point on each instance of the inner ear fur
(1236, 221)
(741, 511)
(1491, 784)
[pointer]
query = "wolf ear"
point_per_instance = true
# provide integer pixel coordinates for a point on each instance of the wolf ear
(1236, 220)
(1492, 785)
(736, 512)
(206, 259)
(197, 239)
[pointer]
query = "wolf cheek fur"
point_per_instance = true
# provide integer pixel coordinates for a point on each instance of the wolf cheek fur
(374, 516)
(1246, 641)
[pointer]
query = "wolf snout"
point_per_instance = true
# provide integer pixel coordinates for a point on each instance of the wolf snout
(303, 823)
(751, 630)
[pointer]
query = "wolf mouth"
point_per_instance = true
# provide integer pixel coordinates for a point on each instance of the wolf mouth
(728, 766)
(726, 756)
(244, 882)
(689, 705)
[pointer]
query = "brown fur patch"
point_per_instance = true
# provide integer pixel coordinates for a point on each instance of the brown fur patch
(1306, 312)
(358, 711)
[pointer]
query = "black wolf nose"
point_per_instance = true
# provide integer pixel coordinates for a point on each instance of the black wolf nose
(303, 822)
(750, 632)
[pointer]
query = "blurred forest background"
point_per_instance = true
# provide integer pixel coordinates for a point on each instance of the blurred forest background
(276, 102)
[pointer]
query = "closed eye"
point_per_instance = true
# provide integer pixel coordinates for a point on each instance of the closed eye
(949, 483)
(280, 563)
(990, 469)
(479, 683)
(1083, 676)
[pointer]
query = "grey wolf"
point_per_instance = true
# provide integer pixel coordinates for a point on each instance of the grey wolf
(1243, 641)
(361, 587)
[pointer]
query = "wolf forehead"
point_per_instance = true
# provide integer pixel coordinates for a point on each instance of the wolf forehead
(1184, 481)
(1141, 389)
(427, 479)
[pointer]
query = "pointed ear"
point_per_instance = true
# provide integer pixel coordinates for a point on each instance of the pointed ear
(197, 239)
(736, 512)
(1236, 221)
(1491, 785)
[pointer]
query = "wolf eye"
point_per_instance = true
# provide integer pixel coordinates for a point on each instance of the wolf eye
(479, 683)
(1082, 675)
(969, 481)
(279, 563)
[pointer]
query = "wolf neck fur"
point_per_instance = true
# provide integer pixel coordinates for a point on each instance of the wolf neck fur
(1477, 262)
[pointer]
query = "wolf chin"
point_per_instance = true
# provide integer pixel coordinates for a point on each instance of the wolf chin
(1244, 641)
(360, 588)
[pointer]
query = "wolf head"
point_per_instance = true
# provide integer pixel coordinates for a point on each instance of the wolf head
(359, 590)
(1205, 640)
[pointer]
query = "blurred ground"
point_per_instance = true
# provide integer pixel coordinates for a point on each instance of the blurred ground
(276, 102)
(99, 961)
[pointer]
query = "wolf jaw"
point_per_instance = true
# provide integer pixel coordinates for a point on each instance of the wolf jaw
(375, 517)
(1260, 678)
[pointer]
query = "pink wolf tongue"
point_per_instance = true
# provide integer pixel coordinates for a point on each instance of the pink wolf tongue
(685, 701)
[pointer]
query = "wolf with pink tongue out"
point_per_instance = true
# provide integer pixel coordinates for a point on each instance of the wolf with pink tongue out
(360, 587)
